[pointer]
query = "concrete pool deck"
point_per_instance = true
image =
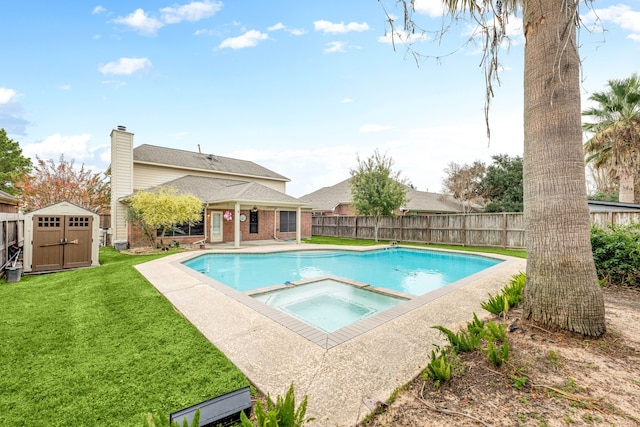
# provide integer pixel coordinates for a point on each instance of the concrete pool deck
(370, 362)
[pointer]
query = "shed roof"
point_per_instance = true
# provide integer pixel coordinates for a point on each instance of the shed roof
(7, 198)
(202, 161)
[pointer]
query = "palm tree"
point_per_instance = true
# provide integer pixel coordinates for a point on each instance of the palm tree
(562, 286)
(615, 140)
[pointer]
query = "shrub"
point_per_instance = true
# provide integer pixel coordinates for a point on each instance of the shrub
(510, 296)
(162, 420)
(439, 369)
(616, 252)
(281, 414)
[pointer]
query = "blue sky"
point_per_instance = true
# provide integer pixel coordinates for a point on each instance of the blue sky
(301, 87)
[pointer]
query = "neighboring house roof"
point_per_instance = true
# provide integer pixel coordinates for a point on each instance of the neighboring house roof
(328, 198)
(172, 157)
(424, 201)
(8, 199)
(216, 190)
(598, 206)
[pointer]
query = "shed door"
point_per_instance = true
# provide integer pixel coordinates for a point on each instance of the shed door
(61, 241)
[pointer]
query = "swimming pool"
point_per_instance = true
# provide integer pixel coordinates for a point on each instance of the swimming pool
(410, 271)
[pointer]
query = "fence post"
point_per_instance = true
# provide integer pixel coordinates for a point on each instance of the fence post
(504, 230)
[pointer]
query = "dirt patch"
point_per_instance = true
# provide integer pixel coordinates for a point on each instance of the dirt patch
(550, 379)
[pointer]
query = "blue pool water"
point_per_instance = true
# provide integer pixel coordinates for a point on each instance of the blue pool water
(411, 271)
(328, 304)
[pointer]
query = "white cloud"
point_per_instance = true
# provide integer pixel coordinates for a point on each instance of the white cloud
(75, 147)
(432, 8)
(65, 87)
(248, 39)
(346, 101)
(341, 28)
(369, 128)
(297, 32)
(98, 9)
(204, 32)
(139, 21)
(278, 26)
(125, 66)
(619, 14)
(193, 11)
(334, 47)
(6, 95)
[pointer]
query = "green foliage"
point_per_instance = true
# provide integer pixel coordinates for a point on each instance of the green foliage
(497, 331)
(102, 347)
(376, 190)
(464, 341)
(281, 414)
(616, 252)
(502, 184)
(12, 164)
(510, 296)
(519, 382)
(495, 304)
(497, 355)
(162, 420)
(162, 209)
(439, 368)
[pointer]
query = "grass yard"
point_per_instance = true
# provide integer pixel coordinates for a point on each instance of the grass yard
(100, 347)
(519, 253)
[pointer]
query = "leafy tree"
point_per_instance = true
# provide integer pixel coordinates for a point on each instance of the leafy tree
(377, 190)
(464, 181)
(502, 184)
(50, 183)
(162, 209)
(562, 285)
(615, 141)
(12, 164)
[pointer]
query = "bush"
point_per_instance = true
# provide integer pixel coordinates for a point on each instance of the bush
(281, 414)
(616, 252)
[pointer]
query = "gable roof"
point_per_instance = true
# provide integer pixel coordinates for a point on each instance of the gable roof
(172, 157)
(328, 198)
(216, 190)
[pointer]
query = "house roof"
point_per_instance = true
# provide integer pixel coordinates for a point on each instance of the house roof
(216, 190)
(202, 161)
(328, 198)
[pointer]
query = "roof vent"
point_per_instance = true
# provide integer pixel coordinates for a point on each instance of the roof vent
(211, 157)
(122, 128)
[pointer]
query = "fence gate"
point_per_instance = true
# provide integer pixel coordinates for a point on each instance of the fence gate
(61, 241)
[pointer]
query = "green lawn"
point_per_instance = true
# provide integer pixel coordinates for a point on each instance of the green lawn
(100, 347)
(519, 253)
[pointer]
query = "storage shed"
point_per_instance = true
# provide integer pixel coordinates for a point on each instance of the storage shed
(60, 236)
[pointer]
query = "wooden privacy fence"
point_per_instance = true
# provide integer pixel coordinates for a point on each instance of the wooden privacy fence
(504, 230)
(11, 233)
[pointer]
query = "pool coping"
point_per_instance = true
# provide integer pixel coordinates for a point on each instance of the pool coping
(321, 338)
(337, 380)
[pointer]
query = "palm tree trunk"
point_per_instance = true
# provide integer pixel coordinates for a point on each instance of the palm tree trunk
(562, 286)
(626, 194)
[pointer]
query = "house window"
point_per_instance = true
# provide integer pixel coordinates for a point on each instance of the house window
(253, 222)
(186, 229)
(287, 221)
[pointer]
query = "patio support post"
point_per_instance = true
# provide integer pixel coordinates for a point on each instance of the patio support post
(298, 224)
(236, 226)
